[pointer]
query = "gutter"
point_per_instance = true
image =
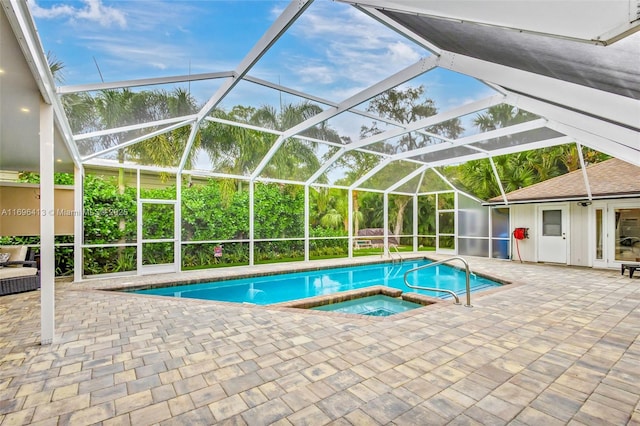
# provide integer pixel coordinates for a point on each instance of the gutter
(559, 200)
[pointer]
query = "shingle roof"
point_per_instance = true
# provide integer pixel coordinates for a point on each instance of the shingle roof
(608, 178)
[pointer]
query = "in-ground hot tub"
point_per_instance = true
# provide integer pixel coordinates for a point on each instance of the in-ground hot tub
(377, 301)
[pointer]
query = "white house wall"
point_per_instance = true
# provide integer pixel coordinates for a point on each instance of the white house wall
(524, 216)
(581, 233)
(581, 237)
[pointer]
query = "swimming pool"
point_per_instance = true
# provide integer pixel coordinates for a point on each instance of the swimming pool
(270, 289)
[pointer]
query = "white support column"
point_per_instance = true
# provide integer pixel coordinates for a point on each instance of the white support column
(385, 213)
(456, 221)
(177, 231)
(498, 181)
(47, 232)
(415, 222)
(138, 225)
(437, 222)
(416, 215)
(583, 168)
(78, 223)
(306, 223)
(490, 219)
(350, 221)
(251, 220)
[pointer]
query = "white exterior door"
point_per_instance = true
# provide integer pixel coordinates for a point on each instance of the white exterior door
(624, 233)
(552, 230)
(617, 233)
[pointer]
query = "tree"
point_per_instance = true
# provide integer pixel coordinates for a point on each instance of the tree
(295, 159)
(502, 115)
(405, 107)
(55, 66)
(165, 149)
(328, 208)
(521, 169)
(239, 150)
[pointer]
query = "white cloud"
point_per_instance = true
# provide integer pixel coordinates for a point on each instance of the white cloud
(104, 15)
(93, 11)
(118, 52)
(316, 74)
(351, 46)
(402, 53)
(55, 11)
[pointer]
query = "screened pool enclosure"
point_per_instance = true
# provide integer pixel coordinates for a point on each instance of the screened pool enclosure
(324, 120)
(204, 224)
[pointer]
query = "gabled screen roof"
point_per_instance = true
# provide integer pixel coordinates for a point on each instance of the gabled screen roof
(331, 63)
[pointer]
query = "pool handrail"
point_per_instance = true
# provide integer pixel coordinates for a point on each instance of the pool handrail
(455, 296)
(388, 250)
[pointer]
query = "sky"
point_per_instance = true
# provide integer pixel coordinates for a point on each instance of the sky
(332, 51)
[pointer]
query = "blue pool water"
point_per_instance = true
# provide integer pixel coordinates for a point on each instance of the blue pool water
(376, 306)
(265, 290)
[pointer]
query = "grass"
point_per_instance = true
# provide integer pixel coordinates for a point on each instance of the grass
(378, 250)
(356, 253)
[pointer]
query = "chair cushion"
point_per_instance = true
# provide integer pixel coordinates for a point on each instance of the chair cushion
(17, 253)
(17, 272)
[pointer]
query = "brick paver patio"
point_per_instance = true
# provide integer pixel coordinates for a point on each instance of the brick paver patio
(559, 346)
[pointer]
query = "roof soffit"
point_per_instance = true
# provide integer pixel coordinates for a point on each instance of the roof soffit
(611, 69)
(596, 21)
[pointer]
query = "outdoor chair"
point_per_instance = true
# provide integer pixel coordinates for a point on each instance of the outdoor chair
(631, 267)
(18, 270)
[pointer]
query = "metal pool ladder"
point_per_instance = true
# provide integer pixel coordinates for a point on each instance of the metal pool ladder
(455, 296)
(388, 250)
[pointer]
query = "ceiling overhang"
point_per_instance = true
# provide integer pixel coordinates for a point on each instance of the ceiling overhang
(595, 22)
(25, 85)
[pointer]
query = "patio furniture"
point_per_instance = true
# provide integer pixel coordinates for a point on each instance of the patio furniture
(19, 273)
(631, 267)
(375, 237)
(363, 244)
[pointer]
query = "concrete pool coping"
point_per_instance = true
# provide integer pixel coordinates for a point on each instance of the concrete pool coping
(351, 295)
(343, 296)
(121, 282)
(130, 283)
(124, 282)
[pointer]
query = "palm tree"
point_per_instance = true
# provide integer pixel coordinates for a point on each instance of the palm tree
(238, 150)
(521, 169)
(332, 219)
(233, 149)
(165, 149)
(55, 66)
(295, 159)
(78, 106)
(499, 116)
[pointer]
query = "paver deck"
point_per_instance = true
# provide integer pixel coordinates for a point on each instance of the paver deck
(558, 346)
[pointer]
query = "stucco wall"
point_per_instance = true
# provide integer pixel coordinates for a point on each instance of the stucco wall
(580, 235)
(20, 210)
(523, 216)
